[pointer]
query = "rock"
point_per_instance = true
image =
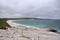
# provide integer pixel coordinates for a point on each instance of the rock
(52, 30)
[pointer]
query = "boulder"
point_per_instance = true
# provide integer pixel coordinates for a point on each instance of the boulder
(52, 30)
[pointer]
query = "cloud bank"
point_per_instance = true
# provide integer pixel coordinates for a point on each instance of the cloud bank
(30, 8)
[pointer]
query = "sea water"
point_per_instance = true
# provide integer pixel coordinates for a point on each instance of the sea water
(47, 24)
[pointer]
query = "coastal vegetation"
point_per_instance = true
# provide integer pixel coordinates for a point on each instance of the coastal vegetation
(3, 24)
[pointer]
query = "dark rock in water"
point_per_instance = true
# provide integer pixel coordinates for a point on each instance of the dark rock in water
(52, 30)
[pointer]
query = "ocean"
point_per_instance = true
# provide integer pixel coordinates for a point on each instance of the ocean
(46, 24)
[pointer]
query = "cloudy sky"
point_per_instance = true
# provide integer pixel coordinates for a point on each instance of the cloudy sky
(30, 8)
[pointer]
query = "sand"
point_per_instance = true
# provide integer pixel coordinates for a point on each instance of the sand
(20, 32)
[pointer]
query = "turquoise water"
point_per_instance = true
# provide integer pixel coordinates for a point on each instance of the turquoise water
(53, 24)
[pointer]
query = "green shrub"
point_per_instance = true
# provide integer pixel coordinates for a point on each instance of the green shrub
(3, 24)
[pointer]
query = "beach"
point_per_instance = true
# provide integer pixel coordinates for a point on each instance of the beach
(21, 32)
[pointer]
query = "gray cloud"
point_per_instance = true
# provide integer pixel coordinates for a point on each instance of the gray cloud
(30, 8)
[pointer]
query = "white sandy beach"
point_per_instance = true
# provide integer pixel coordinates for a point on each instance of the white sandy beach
(20, 32)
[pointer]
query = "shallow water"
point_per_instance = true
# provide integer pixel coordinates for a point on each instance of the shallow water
(52, 24)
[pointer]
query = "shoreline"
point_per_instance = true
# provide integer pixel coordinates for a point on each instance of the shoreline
(34, 32)
(10, 21)
(15, 25)
(18, 32)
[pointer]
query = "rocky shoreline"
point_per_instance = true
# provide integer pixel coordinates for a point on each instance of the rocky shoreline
(17, 32)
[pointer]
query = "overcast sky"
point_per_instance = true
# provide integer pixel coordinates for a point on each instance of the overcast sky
(30, 8)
